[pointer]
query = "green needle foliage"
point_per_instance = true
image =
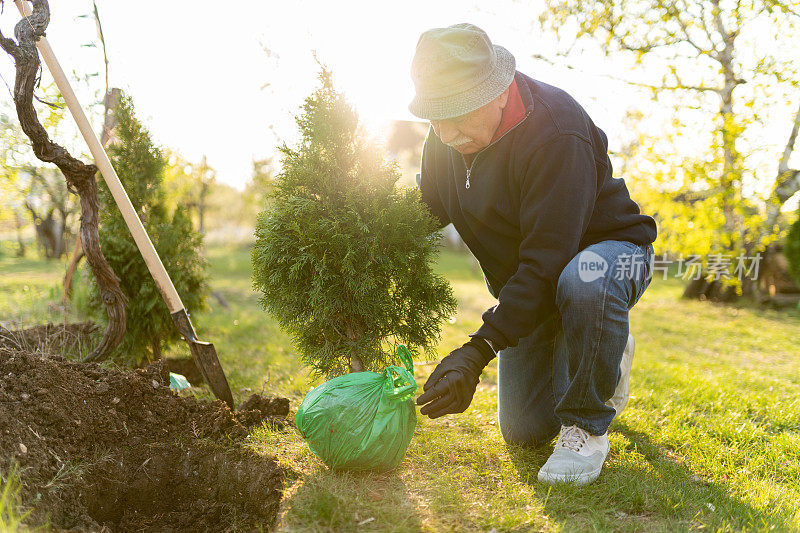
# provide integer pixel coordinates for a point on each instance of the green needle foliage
(140, 166)
(343, 254)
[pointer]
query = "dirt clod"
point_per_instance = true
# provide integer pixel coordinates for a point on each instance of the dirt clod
(119, 450)
(257, 408)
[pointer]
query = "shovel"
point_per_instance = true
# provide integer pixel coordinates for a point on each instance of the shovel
(204, 353)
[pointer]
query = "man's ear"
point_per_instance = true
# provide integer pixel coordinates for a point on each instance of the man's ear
(502, 100)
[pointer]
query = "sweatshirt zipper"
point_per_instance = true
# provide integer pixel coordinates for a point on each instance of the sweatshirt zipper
(475, 159)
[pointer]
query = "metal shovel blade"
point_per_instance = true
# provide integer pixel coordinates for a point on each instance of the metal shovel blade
(205, 357)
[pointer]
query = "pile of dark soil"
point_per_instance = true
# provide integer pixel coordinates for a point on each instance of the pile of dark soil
(69, 340)
(107, 449)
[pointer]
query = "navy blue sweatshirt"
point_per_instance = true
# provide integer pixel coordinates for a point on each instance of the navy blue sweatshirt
(538, 195)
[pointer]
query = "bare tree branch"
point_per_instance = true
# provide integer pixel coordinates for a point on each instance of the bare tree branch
(679, 87)
(688, 38)
(9, 46)
(786, 9)
(102, 39)
(710, 34)
(788, 181)
(718, 24)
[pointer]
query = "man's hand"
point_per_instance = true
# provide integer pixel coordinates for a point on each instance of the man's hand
(452, 383)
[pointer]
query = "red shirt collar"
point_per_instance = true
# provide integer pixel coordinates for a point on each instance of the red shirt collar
(513, 113)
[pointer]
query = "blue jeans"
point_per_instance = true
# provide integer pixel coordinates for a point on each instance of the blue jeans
(565, 371)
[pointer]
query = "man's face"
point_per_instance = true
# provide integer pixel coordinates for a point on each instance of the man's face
(471, 133)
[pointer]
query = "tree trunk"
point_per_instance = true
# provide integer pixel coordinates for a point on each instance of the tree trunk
(201, 209)
(77, 255)
(47, 234)
(353, 333)
(730, 181)
(60, 235)
(110, 102)
(750, 288)
(700, 289)
(43, 230)
(201, 200)
(156, 347)
(20, 241)
(695, 289)
(355, 364)
(714, 290)
(787, 182)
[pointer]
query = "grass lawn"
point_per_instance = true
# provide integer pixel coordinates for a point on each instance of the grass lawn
(710, 439)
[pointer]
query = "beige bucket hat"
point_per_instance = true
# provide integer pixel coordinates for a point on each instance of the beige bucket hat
(457, 70)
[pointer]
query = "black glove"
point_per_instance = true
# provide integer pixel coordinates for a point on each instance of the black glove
(452, 383)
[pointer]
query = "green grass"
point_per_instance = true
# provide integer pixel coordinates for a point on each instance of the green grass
(10, 516)
(710, 439)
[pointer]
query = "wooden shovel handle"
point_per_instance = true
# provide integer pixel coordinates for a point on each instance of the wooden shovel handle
(154, 264)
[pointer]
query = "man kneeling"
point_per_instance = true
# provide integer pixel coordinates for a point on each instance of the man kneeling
(523, 174)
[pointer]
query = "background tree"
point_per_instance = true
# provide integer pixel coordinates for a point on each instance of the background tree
(37, 194)
(211, 204)
(259, 187)
(190, 184)
(342, 255)
(140, 166)
(51, 208)
(181, 183)
(717, 168)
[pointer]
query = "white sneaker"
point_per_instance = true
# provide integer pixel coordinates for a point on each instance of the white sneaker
(622, 392)
(577, 458)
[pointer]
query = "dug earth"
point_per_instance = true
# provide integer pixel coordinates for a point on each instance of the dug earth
(100, 449)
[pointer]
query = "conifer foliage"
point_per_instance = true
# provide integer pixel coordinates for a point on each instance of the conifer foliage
(343, 254)
(140, 166)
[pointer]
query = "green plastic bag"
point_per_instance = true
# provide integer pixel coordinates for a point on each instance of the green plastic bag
(361, 420)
